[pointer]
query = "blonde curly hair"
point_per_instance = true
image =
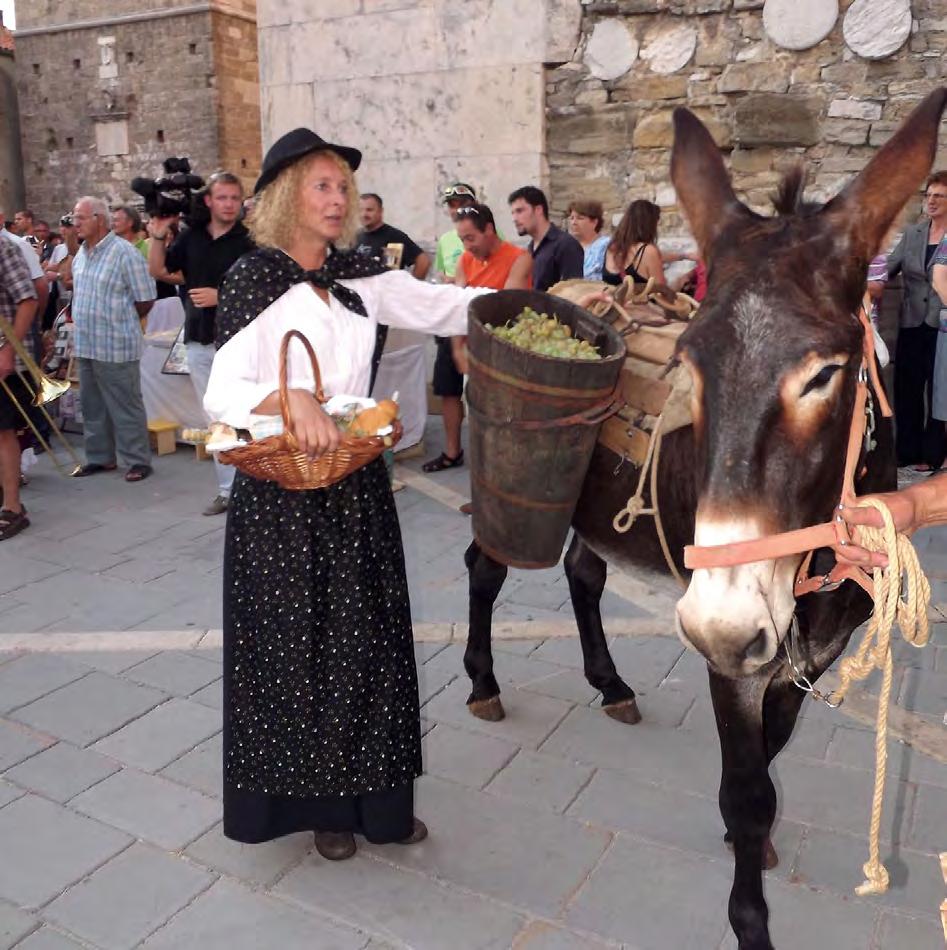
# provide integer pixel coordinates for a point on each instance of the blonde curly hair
(275, 215)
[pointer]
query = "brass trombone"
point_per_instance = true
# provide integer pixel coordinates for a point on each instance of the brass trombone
(44, 390)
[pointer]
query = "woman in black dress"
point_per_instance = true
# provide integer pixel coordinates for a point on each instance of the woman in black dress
(634, 252)
(321, 718)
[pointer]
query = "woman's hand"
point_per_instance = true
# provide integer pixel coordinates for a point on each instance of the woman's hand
(313, 428)
(594, 296)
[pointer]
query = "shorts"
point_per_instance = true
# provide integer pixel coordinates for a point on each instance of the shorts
(10, 416)
(447, 380)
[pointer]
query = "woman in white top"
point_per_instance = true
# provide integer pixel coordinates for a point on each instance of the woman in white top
(321, 717)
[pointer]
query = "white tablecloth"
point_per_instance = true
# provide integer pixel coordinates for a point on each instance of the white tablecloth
(403, 370)
(167, 397)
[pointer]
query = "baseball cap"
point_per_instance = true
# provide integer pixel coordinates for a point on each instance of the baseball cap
(458, 190)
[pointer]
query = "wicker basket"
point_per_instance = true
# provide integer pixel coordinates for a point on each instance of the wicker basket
(277, 458)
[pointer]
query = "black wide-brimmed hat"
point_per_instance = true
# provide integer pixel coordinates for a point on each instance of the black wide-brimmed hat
(292, 146)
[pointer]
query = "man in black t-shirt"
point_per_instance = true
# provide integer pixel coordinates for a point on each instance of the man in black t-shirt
(203, 255)
(373, 240)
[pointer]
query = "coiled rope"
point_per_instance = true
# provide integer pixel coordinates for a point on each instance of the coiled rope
(902, 575)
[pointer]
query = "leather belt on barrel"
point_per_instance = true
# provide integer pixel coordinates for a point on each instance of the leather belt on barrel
(829, 534)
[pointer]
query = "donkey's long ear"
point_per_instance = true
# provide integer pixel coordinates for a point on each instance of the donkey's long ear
(701, 181)
(868, 206)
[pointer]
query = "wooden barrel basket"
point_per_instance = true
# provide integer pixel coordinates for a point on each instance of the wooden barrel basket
(534, 421)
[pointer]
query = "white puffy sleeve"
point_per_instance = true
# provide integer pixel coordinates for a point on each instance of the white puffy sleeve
(234, 388)
(399, 300)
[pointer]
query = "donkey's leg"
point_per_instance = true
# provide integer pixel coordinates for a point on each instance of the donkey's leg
(486, 579)
(747, 801)
(586, 571)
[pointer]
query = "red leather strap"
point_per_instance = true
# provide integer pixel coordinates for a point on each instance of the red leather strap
(763, 549)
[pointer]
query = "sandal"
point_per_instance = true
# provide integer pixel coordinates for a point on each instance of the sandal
(443, 461)
(93, 468)
(137, 473)
(12, 523)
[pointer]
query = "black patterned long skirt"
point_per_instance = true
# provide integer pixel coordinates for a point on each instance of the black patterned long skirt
(321, 718)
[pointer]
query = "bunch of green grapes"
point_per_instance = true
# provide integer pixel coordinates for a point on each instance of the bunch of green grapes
(545, 335)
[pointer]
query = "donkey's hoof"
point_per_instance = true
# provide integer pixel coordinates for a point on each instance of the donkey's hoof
(625, 711)
(490, 709)
(770, 857)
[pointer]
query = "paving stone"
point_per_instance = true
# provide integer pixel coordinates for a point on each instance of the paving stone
(161, 735)
(677, 900)
(150, 807)
(563, 651)
(236, 918)
(142, 888)
(670, 817)
(666, 707)
(201, 768)
(111, 661)
(856, 747)
(386, 899)
(14, 924)
(34, 675)
(18, 743)
(89, 708)
(810, 739)
(645, 661)
(48, 939)
(929, 829)
(498, 847)
(570, 685)
(9, 793)
(424, 651)
(834, 861)
(530, 717)
(262, 863)
(211, 695)
(47, 847)
(540, 781)
(468, 758)
(20, 571)
(177, 673)
(836, 797)
(650, 752)
(433, 679)
(538, 616)
(540, 935)
(520, 647)
(924, 692)
(906, 933)
(62, 771)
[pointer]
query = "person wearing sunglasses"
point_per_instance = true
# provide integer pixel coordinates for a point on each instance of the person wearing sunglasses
(921, 438)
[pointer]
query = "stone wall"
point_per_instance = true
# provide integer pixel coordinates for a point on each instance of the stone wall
(430, 90)
(11, 162)
(831, 103)
(108, 89)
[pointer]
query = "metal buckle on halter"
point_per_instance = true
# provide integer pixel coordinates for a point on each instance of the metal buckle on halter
(795, 669)
(871, 443)
(828, 585)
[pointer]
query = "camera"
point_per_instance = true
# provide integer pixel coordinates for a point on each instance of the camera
(173, 192)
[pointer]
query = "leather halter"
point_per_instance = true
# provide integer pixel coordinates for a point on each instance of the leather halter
(828, 534)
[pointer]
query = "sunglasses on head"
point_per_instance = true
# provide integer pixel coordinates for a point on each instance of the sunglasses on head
(457, 191)
(466, 212)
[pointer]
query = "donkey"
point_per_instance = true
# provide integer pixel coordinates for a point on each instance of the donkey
(774, 355)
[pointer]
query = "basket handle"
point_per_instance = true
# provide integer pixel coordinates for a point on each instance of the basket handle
(283, 391)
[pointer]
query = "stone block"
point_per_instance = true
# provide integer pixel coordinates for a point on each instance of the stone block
(262, 863)
(845, 131)
(653, 910)
(9, 793)
(177, 673)
(669, 47)
(142, 888)
(14, 924)
(62, 771)
(645, 88)
(924, 692)
(89, 708)
(754, 77)
(540, 781)
(22, 571)
(384, 899)
(930, 820)
(570, 685)
(240, 919)
(464, 757)
(656, 131)
(647, 661)
(854, 109)
(150, 807)
(161, 735)
(46, 848)
(753, 159)
(541, 935)
(602, 132)
(48, 939)
(908, 933)
(499, 848)
(17, 744)
(611, 49)
(211, 695)
(201, 768)
(774, 120)
(831, 860)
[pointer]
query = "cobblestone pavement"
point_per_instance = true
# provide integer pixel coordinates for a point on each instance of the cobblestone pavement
(555, 829)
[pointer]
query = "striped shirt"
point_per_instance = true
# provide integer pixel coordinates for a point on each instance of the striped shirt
(15, 285)
(108, 280)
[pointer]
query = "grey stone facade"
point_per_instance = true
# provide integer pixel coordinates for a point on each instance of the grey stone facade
(11, 171)
(109, 89)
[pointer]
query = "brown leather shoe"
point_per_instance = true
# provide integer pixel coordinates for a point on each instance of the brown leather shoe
(335, 845)
(418, 833)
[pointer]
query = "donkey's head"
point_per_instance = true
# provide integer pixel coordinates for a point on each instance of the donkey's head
(774, 355)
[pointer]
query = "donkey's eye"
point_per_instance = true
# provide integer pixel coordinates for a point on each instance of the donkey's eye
(821, 379)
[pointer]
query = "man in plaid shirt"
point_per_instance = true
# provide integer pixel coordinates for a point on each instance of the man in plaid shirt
(112, 293)
(18, 308)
